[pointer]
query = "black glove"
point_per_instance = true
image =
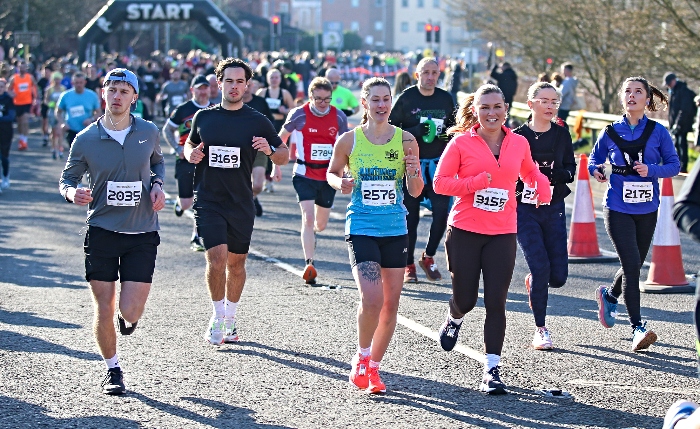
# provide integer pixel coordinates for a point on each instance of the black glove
(424, 129)
(444, 137)
(348, 112)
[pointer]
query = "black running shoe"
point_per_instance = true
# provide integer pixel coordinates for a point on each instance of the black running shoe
(492, 384)
(258, 207)
(123, 328)
(196, 245)
(178, 209)
(449, 331)
(113, 383)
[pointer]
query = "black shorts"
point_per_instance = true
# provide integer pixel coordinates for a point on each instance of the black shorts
(317, 190)
(260, 160)
(22, 109)
(213, 219)
(388, 252)
(184, 173)
(110, 256)
(44, 110)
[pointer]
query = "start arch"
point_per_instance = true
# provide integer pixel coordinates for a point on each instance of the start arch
(115, 12)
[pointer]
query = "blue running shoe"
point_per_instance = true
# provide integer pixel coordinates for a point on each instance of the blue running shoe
(492, 383)
(641, 338)
(448, 333)
(607, 311)
(679, 410)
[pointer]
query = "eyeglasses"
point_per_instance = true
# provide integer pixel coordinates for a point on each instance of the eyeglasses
(547, 103)
(323, 100)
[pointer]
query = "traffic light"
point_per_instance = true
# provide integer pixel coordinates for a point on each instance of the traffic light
(549, 61)
(436, 29)
(428, 33)
(276, 25)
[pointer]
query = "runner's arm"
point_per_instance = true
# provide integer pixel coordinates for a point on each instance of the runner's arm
(339, 160)
(414, 180)
(686, 211)
(169, 136)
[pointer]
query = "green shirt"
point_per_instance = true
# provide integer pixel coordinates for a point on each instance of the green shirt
(344, 99)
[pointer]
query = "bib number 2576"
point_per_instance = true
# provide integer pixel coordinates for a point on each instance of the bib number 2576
(379, 193)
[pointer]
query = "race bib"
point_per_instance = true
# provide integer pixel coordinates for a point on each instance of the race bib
(528, 195)
(378, 192)
(439, 124)
(224, 157)
(637, 192)
(177, 100)
(148, 78)
(23, 86)
(491, 199)
(273, 103)
(321, 152)
(76, 111)
(123, 193)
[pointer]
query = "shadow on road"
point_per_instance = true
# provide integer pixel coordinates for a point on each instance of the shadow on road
(26, 267)
(14, 342)
(23, 318)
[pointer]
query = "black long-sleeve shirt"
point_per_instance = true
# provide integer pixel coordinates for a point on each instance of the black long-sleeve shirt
(411, 106)
(686, 210)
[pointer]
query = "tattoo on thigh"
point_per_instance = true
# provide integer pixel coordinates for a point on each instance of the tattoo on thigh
(370, 270)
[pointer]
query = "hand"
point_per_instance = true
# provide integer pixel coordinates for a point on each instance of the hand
(675, 130)
(65, 127)
(424, 129)
(260, 144)
(181, 154)
(197, 154)
(157, 197)
(640, 168)
(80, 196)
(276, 173)
(443, 137)
(412, 163)
(346, 185)
(348, 112)
(599, 174)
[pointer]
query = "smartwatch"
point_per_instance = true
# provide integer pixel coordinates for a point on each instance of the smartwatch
(272, 151)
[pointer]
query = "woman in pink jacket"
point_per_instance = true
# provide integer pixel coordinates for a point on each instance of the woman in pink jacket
(480, 167)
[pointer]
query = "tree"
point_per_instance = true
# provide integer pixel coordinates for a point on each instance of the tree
(680, 36)
(606, 40)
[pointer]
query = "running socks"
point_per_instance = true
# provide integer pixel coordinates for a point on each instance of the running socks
(363, 352)
(230, 310)
(491, 362)
(309, 262)
(219, 308)
(112, 362)
(453, 320)
(609, 296)
(373, 364)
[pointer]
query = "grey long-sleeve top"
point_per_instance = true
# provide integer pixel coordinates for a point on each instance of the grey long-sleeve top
(105, 160)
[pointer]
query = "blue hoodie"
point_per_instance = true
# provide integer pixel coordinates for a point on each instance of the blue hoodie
(659, 154)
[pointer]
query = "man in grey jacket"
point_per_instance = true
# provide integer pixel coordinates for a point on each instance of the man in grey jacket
(122, 156)
(568, 91)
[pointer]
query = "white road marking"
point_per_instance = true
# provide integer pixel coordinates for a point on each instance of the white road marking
(605, 384)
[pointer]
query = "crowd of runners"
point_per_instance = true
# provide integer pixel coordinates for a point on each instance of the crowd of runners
(231, 123)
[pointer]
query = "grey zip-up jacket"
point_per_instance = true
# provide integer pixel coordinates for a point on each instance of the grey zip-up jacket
(104, 159)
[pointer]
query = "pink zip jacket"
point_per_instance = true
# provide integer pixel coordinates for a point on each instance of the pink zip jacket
(461, 173)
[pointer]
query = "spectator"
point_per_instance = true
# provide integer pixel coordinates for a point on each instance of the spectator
(681, 114)
(507, 82)
(568, 91)
(454, 81)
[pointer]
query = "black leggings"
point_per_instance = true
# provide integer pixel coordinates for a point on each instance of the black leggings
(631, 236)
(5, 144)
(441, 209)
(468, 256)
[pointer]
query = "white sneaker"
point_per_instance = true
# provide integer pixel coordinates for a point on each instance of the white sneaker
(215, 331)
(542, 340)
(230, 333)
(5, 182)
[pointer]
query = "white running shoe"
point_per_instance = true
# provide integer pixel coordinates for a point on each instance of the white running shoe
(215, 331)
(5, 182)
(542, 340)
(230, 332)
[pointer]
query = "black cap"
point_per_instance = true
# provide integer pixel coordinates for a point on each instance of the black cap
(669, 77)
(199, 80)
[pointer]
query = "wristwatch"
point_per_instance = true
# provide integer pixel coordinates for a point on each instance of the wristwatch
(272, 151)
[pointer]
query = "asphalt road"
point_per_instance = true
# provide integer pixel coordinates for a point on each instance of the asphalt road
(290, 369)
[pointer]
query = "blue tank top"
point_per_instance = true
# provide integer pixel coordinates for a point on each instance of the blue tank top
(376, 204)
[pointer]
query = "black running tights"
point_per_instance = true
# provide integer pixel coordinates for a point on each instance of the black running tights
(469, 255)
(631, 236)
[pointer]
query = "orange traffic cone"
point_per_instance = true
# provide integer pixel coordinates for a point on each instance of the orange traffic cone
(666, 274)
(583, 238)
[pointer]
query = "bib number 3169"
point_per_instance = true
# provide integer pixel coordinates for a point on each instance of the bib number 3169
(491, 199)
(224, 157)
(123, 193)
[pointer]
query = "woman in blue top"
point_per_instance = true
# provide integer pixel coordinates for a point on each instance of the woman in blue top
(640, 151)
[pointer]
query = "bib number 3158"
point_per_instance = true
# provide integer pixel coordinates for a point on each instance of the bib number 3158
(224, 157)
(379, 193)
(491, 199)
(123, 193)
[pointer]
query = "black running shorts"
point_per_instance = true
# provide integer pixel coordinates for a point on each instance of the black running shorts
(388, 252)
(317, 190)
(218, 224)
(110, 256)
(184, 173)
(260, 160)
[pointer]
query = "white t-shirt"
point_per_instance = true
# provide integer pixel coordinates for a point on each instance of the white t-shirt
(119, 136)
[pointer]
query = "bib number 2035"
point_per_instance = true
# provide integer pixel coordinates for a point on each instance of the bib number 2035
(123, 193)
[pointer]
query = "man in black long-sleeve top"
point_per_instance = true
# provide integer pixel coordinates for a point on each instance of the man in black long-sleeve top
(681, 115)
(413, 108)
(508, 82)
